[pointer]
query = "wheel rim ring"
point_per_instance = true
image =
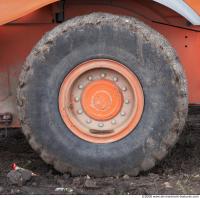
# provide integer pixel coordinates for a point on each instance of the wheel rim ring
(66, 88)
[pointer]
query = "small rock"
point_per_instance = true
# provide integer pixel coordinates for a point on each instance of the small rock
(77, 181)
(126, 177)
(34, 184)
(19, 177)
(12, 191)
(154, 176)
(167, 185)
(90, 184)
(196, 178)
(68, 190)
(18, 191)
(1, 189)
(29, 161)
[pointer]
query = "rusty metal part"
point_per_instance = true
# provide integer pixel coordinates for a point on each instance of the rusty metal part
(6, 119)
(101, 101)
(59, 11)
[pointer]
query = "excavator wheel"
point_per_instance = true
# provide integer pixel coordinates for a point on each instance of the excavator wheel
(102, 95)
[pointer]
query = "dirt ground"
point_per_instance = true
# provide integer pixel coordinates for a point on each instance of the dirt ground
(179, 173)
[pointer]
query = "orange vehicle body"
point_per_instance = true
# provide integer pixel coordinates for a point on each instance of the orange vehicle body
(22, 24)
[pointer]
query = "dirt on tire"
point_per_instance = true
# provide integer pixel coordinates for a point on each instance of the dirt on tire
(179, 173)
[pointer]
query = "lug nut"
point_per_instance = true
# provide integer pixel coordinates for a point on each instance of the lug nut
(113, 122)
(80, 111)
(115, 79)
(103, 75)
(126, 101)
(89, 78)
(88, 121)
(80, 86)
(100, 124)
(77, 99)
(124, 88)
(123, 113)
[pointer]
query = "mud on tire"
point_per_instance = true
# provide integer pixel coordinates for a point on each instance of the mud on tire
(120, 38)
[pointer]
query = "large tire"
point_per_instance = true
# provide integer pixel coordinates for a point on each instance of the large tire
(130, 42)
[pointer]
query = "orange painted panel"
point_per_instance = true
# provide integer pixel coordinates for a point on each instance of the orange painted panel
(194, 4)
(12, 10)
(16, 42)
(187, 45)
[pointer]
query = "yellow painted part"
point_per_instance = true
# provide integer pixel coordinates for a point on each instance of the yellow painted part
(194, 4)
(11, 10)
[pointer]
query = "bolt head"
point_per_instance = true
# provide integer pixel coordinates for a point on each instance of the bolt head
(80, 86)
(123, 113)
(124, 88)
(100, 124)
(77, 99)
(88, 121)
(126, 101)
(115, 79)
(113, 122)
(103, 75)
(89, 78)
(80, 111)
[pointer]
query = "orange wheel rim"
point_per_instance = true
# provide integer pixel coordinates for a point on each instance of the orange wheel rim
(101, 101)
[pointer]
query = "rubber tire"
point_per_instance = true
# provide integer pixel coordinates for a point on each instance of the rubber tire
(126, 40)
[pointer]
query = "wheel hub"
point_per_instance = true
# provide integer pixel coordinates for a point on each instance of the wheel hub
(101, 101)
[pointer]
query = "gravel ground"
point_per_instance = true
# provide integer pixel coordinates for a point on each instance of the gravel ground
(179, 173)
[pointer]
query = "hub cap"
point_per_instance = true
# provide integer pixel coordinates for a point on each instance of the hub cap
(101, 101)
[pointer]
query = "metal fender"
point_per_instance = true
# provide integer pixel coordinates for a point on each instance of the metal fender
(12, 10)
(189, 11)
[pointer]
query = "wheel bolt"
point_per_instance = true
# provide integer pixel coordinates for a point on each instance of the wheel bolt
(77, 99)
(89, 78)
(80, 111)
(80, 86)
(88, 121)
(103, 75)
(123, 113)
(113, 122)
(115, 79)
(124, 88)
(126, 101)
(100, 124)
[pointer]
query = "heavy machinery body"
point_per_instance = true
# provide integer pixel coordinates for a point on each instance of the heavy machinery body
(23, 23)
